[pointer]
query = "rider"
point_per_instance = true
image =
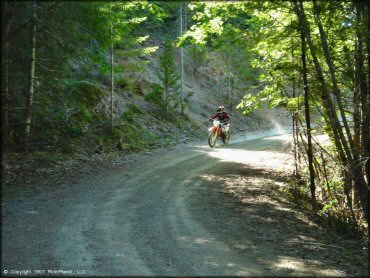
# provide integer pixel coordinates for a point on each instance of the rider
(221, 115)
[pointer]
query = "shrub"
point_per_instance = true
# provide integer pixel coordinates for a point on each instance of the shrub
(121, 83)
(74, 131)
(128, 116)
(46, 158)
(84, 92)
(156, 95)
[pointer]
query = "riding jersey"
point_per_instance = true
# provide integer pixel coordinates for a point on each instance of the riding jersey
(221, 116)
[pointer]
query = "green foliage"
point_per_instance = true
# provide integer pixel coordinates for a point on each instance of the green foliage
(45, 158)
(129, 115)
(328, 207)
(295, 103)
(121, 83)
(74, 131)
(78, 107)
(270, 95)
(122, 21)
(136, 89)
(134, 137)
(248, 104)
(180, 122)
(84, 92)
(156, 95)
(198, 55)
(169, 74)
(135, 109)
(296, 191)
(71, 113)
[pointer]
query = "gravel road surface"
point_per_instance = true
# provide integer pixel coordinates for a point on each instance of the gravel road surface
(187, 211)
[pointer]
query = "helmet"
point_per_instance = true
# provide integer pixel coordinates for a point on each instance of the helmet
(221, 108)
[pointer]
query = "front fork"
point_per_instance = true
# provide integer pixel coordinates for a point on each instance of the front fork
(217, 130)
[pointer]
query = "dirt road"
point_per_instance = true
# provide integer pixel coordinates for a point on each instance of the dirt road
(188, 211)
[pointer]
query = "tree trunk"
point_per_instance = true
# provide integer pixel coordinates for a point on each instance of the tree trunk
(325, 176)
(182, 62)
(366, 104)
(296, 174)
(111, 68)
(340, 140)
(295, 141)
(325, 94)
(229, 80)
(30, 95)
(167, 96)
(111, 87)
(365, 111)
(334, 79)
(297, 130)
(308, 125)
(363, 79)
(5, 64)
(356, 114)
(357, 98)
(347, 180)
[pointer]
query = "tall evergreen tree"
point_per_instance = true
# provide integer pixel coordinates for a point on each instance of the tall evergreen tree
(169, 75)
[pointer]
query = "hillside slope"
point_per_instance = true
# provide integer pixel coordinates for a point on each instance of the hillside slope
(204, 90)
(142, 124)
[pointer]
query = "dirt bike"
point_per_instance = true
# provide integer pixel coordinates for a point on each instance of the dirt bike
(218, 130)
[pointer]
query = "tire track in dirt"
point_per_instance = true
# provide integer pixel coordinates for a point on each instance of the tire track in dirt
(184, 212)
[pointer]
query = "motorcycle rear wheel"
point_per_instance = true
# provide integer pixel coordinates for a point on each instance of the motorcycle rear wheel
(212, 139)
(226, 138)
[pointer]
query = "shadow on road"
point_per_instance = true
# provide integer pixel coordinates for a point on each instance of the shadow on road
(243, 209)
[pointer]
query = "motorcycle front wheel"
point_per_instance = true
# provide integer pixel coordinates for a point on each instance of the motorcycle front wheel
(226, 138)
(212, 139)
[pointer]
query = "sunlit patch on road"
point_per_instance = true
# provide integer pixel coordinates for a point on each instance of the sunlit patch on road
(300, 267)
(262, 159)
(208, 177)
(202, 241)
